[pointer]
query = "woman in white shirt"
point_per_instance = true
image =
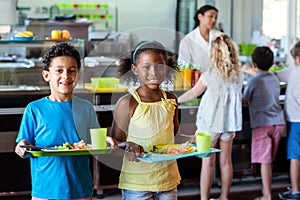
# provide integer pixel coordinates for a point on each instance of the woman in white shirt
(194, 47)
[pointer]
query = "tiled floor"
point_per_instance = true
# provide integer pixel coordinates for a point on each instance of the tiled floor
(246, 189)
(242, 189)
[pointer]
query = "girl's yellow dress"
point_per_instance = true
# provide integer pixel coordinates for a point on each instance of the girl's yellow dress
(151, 124)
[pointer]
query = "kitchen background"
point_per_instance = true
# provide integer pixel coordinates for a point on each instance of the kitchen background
(112, 27)
(109, 31)
(256, 21)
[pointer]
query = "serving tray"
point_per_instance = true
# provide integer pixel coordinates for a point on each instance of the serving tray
(69, 152)
(88, 86)
(154, 157)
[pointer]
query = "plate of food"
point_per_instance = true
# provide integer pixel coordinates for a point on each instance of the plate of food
(169, 152)
(67, 149)
(167, 149)
(23, 36)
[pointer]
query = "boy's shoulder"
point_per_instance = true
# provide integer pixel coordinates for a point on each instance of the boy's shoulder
(37, 102)
(260, 76)
(81, 101)
(75, 98)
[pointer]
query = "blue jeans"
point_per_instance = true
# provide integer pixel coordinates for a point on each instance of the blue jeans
(137, 195)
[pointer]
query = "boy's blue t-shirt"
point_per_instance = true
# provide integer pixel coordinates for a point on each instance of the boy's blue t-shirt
(48, 123)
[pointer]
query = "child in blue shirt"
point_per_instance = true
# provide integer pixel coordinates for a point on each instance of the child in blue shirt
(57, 119)
(290, 75)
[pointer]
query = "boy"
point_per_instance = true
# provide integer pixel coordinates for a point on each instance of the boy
(266, 115)
(54, 120)
(290, 75)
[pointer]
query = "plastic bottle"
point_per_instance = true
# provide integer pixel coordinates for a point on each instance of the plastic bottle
(54, 10)
(178, 83)
(187, 75)
(21, 18)
(196, 73)
(194, 76)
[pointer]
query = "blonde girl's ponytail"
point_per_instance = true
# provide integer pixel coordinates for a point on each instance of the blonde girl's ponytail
(224, 57)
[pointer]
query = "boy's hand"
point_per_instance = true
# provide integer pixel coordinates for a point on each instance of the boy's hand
(20, 150)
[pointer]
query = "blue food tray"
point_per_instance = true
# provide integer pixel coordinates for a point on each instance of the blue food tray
(153, 157)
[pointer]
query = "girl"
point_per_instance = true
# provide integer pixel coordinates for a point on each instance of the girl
(220, 110)
(147, 116)
(194, 47)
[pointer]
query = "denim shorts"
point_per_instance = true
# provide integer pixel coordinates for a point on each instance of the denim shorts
(293, 140)
(138, 195)
(35, 198)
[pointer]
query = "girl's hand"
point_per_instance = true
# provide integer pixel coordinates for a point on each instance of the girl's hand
(132, 150)
(111, 142)
(21, 151)
(248, 70)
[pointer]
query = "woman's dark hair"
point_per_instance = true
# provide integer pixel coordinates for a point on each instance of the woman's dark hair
(202, 10)
(124, 69)
(61, 49)
(263, 57)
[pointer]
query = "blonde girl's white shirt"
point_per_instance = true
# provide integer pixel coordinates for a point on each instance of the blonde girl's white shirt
(220, 109)
(194, 49)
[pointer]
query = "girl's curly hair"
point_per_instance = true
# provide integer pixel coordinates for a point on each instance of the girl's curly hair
(61, 49)
(124, 68)
(225, 58)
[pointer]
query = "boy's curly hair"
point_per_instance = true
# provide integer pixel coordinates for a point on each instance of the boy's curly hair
(225, 58)
(61, 49)
(125, 61)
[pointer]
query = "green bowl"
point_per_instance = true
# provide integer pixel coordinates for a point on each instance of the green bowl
(247, 49)
(275, 68)
(104, 82)
(194, 102)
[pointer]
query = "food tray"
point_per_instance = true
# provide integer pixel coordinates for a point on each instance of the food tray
(153, 157)
(69, 152)
(88, 86)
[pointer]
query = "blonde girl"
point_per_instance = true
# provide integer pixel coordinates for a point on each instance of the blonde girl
(220, 110)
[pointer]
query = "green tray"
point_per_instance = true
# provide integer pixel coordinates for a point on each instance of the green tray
(70, 152)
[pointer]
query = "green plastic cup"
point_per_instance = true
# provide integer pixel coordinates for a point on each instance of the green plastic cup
(203, 142)
(98, 138)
